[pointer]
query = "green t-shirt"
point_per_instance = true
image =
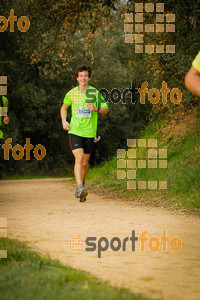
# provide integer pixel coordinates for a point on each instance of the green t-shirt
(83, 121)
(3, 103)
(196, 62)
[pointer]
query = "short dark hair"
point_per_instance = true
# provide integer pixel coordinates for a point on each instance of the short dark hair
(83, 68)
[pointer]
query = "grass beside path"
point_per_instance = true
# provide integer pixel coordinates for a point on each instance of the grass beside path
(28, 275)
(180, 135)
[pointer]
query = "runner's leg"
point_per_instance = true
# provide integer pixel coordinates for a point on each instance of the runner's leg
(80, 192)
(88, 146)
(76, 144)
(86, 158)
(78, 166)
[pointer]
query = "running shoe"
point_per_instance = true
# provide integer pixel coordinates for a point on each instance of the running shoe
(81, 193)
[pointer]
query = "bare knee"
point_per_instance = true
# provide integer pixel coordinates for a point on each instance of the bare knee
(79, 160)
(85, 164)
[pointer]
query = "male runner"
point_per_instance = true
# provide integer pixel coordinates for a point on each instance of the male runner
(83, 125)
(3, 103)
(192, 79)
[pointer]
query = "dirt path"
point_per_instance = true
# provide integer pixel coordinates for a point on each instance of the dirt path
(46, 213)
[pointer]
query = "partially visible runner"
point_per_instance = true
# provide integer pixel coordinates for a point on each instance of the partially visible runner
(83, 125)
(192, 79)
(3, 104)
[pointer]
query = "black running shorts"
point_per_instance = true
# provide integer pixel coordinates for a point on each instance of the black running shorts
(77, 142)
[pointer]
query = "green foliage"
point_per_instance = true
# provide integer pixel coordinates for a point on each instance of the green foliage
(40, 67)
(40, 75)
(182, 173)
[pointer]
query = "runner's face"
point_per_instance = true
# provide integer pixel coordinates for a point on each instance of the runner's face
(83, 78)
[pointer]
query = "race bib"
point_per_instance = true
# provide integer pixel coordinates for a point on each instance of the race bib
(83, 112)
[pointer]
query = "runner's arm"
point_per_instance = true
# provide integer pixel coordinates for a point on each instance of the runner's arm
(63, 114)
(6, 120)
(192, 81)
(102, 110)
(97, 139)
